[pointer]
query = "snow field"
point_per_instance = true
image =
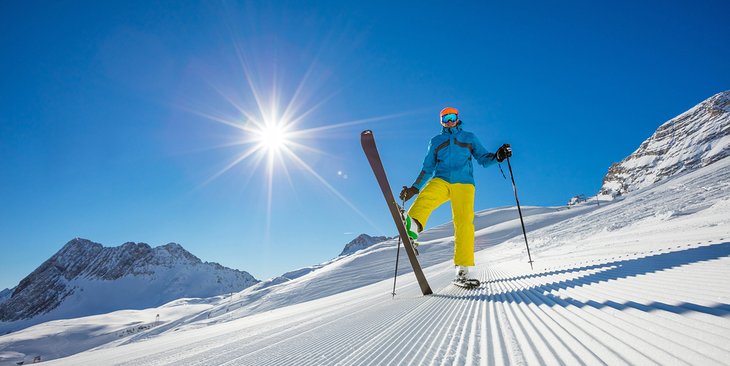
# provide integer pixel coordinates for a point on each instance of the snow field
(60, 338)
(585, 313)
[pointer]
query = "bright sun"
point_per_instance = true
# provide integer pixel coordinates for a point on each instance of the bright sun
(272, 137)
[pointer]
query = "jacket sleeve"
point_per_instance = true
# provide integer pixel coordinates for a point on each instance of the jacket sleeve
(429, 165)
(482, 156)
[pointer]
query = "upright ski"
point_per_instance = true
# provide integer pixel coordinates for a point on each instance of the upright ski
(371, 151)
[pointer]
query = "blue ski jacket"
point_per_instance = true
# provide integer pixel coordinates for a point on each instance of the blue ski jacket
(450, 157)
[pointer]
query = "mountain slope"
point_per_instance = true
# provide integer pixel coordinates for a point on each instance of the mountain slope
(694, 139)
(85, 278)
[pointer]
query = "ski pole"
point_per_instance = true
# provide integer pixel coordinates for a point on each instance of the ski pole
(397, 252)
(524, 232)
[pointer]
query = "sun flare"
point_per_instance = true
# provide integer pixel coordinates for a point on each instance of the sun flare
(272, 137)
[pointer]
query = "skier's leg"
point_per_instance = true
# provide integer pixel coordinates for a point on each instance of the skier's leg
(433, 195)
(462, 208)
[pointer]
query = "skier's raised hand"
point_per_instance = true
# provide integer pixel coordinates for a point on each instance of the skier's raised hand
(408, 192)
(504, 152)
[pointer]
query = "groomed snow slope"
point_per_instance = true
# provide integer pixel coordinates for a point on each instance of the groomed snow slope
(60, 338)
(642, 280)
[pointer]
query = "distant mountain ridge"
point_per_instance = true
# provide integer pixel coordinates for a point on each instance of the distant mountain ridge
(692, 140)
(85, 278)
(361, 242)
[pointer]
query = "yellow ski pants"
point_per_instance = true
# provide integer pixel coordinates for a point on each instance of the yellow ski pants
(436, 192)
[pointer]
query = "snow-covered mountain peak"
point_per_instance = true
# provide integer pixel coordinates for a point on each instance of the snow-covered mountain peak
(85, 278)
(173, 247)
(78, 246)
(175, 252)
(361, 242)
(718, 103)
(692, 140)
(80, 243)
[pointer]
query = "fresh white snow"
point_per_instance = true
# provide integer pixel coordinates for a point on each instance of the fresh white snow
(641, 280)
(59, 338)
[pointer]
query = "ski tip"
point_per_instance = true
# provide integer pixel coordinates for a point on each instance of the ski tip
(366, 132)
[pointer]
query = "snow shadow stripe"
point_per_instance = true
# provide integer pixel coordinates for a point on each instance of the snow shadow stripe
(614, 271)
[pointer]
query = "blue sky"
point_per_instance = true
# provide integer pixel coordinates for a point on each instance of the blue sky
(104, 134)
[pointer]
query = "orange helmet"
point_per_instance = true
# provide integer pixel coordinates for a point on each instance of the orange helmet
(448, 110)
(449, 117)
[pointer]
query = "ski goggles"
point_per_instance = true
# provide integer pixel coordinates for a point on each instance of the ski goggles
(448, 118)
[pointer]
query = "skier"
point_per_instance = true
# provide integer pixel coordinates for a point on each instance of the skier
(449, 163)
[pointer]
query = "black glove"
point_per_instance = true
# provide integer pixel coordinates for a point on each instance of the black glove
(503, 152)
(408, 192)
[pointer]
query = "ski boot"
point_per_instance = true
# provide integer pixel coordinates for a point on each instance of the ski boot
(412, 228)
(463, 279)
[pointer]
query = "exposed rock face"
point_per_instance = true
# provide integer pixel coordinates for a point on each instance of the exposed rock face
(89, 272)
(361, 242)
(5, 294)
(692, 140)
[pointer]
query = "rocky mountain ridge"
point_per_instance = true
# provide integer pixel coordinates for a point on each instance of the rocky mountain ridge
(99, 279)
(692, 140)
(361, 242)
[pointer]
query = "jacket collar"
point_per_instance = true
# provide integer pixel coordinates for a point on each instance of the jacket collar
(451, 131)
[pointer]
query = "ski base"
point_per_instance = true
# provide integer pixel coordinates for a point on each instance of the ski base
(371, 152)
(415, 247)
(467, 284)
